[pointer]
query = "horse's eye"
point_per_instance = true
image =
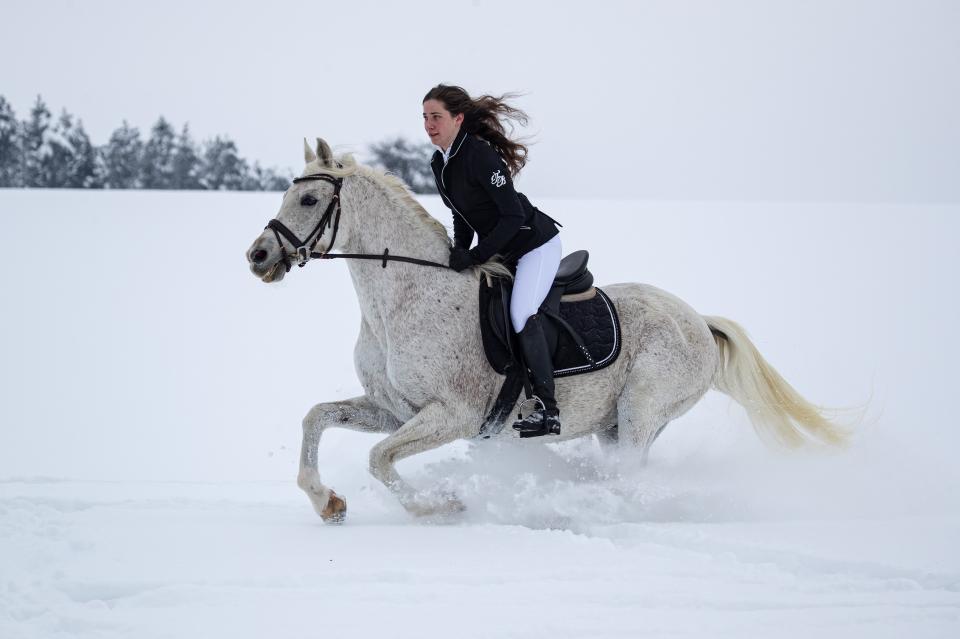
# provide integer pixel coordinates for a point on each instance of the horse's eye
(308, 200)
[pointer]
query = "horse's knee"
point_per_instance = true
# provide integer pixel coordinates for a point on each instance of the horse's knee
(323, 414)
(313, 417)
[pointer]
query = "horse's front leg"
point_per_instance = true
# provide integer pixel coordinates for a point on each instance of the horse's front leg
(357, 413)
(434, 426)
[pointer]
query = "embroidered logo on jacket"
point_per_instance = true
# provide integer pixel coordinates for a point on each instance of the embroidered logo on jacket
(497, 180)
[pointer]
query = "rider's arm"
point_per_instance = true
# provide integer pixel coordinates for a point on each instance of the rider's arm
(494, 177)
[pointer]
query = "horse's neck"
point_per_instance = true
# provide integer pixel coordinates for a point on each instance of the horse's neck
(378, 221)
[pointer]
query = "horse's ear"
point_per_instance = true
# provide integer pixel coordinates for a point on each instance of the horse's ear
(324, 154)
(308, 154)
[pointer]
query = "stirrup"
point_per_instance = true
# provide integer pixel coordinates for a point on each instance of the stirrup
(532, 398)
(549, 424)
(520, 423)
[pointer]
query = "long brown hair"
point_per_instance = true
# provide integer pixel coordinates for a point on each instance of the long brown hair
(484, 116)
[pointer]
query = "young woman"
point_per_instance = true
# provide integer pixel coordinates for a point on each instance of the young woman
(474, 169)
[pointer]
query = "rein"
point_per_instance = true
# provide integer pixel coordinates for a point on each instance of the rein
(303, 249)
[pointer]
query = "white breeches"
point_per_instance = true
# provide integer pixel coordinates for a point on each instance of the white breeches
(535, 273)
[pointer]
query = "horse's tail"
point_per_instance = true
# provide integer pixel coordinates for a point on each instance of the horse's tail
(778, 412)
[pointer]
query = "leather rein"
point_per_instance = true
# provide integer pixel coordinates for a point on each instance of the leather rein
(303, 249)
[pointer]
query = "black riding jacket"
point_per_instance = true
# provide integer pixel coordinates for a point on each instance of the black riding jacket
(476, 185)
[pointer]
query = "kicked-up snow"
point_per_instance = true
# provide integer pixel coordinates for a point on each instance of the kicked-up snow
(149, 433)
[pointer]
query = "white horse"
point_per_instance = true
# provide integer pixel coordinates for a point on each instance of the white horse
(420, 359)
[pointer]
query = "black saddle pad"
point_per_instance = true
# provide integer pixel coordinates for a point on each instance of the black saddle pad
(598, 325)
(594, 320)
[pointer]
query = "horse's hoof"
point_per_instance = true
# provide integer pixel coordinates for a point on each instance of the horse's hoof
(446, 508)
(335, 510)
(455, 506)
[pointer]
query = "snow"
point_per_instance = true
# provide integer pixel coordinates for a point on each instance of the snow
(152, 391)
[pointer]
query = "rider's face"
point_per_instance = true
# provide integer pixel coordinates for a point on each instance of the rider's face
(439, 124)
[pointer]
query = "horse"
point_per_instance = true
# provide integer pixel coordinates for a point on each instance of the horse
(420, 358)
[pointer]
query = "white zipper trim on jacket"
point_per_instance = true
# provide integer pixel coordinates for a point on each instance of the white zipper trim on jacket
(449, 157)
(443, 190)
(453, 206)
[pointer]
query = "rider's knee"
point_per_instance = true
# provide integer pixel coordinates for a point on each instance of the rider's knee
(520, 316)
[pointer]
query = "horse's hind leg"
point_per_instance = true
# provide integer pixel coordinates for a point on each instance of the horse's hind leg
(645, 407)
(434, 426)
(639, 423)
(356, 413)
(609, 438)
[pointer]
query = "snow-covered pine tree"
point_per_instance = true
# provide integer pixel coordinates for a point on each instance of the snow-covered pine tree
(272, 180)
(121, 157)
(267, 179)
(186, 162)
(10, 152)
(86, 170)
(34, 144)
(158, 170)
(251, 181)
(223, 169)
(408, 161)
(55, 166)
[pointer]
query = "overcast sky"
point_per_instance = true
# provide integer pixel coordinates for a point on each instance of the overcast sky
(673, 99)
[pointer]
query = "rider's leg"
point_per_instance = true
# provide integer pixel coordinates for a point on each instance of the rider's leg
(535, 273)
(537, 357)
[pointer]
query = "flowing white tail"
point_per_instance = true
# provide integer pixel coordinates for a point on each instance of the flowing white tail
(779, 414)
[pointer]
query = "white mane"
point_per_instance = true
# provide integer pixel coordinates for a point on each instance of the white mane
(396, 189)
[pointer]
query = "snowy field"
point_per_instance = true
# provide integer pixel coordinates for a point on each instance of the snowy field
(152, 391)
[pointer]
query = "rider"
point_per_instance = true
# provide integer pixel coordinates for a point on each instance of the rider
(474, 169)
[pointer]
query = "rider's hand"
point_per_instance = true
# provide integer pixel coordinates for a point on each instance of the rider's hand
(460, 258)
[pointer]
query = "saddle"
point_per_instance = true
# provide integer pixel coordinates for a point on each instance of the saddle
(582, 331)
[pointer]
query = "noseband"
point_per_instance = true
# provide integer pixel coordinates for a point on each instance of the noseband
(303, 249)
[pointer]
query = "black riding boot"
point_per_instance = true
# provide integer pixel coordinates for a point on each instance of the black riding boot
(546, 418)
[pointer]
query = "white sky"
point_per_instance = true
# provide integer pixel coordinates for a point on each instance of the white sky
(696, 99)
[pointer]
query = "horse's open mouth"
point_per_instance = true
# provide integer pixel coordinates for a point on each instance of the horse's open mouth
(275, 274)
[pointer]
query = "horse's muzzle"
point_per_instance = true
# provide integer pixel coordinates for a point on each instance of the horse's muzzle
(259, 256)
(264, 262)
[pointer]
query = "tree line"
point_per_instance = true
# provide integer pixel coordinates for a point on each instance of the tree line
(41, 151)
(46, 152)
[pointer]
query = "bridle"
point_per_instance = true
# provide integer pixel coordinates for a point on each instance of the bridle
(303, 249)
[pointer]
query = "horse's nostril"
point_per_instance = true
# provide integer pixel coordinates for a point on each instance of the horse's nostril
(259, 256)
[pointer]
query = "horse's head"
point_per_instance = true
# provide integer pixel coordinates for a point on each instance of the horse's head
(308, 220)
